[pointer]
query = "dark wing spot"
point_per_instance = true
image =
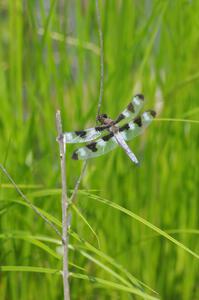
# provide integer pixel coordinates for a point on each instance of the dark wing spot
(140, 96)
(138, 121)
(75, 155)
(107, 137)
(152, 112)
(130, 107)
(99, 128)
(125, 127)
(120, 118)
(80, 133)
(92, 146)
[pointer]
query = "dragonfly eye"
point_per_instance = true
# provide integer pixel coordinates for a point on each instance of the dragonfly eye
(104, 115)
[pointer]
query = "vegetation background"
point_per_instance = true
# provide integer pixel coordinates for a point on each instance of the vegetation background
(50, 59)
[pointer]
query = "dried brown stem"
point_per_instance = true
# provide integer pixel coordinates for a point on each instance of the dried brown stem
(64, 201)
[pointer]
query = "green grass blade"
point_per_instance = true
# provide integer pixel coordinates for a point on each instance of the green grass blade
(111, 284)
(145, 222)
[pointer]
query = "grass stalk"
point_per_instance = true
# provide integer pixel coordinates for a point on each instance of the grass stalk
(73, 197)
(64, 201)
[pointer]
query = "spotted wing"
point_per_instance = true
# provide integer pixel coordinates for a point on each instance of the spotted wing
(132, 109)
(97, 148)
(137, 126)
(82, 136)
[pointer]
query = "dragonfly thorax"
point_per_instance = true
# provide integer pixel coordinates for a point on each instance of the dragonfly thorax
(105, 120)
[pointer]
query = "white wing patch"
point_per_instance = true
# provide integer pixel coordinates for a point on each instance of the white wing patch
(137, 101)
(68, 136)
(127, 113)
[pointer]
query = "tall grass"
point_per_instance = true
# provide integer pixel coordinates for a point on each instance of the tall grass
(50, 59)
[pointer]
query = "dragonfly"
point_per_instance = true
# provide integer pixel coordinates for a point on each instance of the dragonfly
(112, 133)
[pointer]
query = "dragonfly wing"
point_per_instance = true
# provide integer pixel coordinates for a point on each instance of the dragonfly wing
(137, 126)
(126, 148)
(82, 136)
(97, 148)
(132, 109)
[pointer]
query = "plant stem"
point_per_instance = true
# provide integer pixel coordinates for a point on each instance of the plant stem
(101, 57)
(74, 195)
(64, 201)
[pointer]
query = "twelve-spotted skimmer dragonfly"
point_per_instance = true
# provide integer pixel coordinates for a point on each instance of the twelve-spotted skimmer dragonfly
(117, 135)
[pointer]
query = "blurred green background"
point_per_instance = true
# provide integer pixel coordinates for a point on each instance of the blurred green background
(50, 59)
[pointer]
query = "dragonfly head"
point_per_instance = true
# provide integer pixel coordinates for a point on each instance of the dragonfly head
(101, 118)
